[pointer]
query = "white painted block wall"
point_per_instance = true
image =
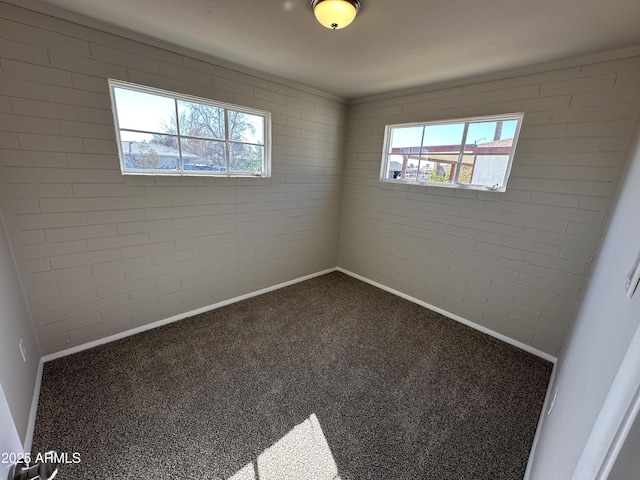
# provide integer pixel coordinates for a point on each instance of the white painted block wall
(515, 262)
(100, 253)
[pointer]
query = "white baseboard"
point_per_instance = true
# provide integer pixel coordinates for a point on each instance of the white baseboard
(181, 316)
(453, 316)
(85, 346)
(546, 409)
(175, 318)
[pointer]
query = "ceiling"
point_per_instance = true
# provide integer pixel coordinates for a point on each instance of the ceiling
(391, 45)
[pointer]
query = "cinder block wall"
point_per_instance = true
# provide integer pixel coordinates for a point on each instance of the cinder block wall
(100, 253)
(515, 262)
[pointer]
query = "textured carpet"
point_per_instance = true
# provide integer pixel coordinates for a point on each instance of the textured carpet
(401, 392)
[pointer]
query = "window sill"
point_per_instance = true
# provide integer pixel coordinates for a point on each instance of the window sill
(194, 174)
(446, 185)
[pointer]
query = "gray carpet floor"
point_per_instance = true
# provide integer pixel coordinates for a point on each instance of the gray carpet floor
(401, 392)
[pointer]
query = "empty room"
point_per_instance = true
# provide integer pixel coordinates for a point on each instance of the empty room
(319, 239)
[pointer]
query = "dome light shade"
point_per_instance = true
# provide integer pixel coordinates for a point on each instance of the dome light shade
(335, 14)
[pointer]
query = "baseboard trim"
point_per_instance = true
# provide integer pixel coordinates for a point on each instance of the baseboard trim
(546, 409)
(453, 316)
(28, 441)
(175, 318)
(127, 333)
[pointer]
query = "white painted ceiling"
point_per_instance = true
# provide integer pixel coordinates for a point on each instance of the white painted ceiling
(391, 45)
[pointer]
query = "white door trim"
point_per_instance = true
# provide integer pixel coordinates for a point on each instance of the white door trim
(615, 419)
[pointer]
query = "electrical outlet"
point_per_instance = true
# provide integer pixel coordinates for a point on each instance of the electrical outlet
(23, 350)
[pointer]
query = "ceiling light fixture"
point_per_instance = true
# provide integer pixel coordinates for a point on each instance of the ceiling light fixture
(335, 14)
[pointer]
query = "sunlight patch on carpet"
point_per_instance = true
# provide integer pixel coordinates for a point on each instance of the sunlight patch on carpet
(302, 454)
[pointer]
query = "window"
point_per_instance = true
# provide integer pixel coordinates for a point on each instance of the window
(474, 153)
(165, 133)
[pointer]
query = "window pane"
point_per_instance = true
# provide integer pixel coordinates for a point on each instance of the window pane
(475, 152)
(244, 127)
(145, 111)
(169, 133)
(200, 120)
(412, 168)
(203, 155)
(443, 138)
(468, 170)
(439, 168)
(246, 158)
(405, 140)
(485, 170)
(394, 166)
(497, 135)
(149, 152)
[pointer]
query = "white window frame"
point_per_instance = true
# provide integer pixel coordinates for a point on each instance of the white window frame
(386, 153)
(266, 163)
